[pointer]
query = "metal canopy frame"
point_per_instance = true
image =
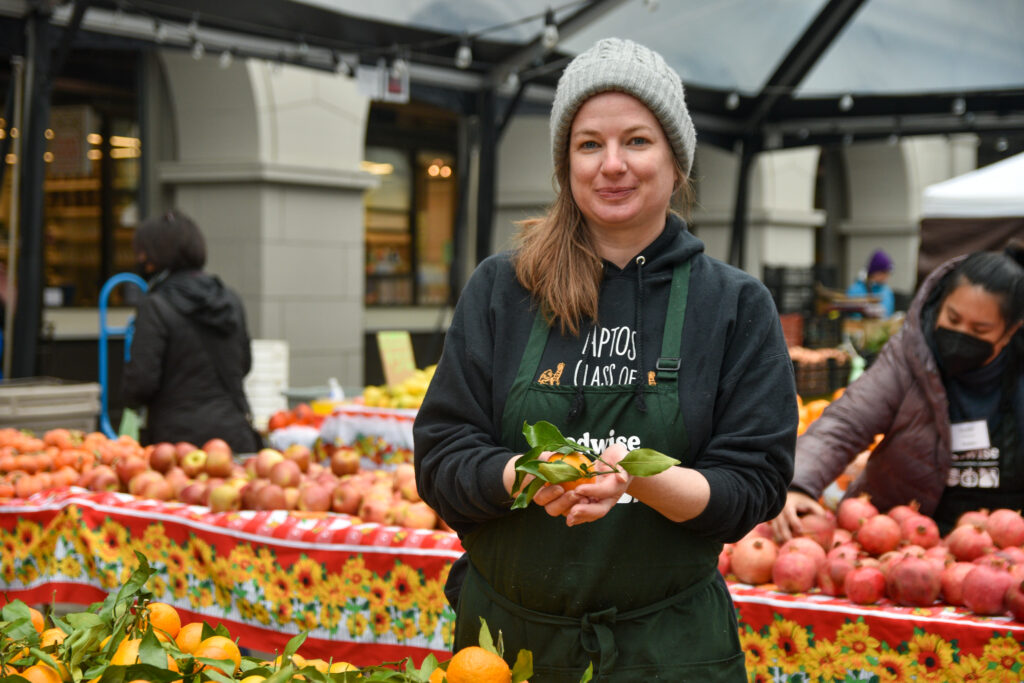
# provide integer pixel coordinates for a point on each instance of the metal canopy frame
(298, 33)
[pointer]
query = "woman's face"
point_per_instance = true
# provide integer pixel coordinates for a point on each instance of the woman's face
(621, 168)
(972, 310)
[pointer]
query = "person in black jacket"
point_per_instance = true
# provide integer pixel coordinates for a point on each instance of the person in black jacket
(190, 350)
(610, 322)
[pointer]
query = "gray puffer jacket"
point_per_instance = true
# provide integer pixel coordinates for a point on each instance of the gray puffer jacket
(902, 396)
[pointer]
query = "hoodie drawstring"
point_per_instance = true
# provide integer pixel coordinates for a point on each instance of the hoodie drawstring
(639, 400)
(579, 401)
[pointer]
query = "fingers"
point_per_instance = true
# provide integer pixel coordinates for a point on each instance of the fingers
(588, 511)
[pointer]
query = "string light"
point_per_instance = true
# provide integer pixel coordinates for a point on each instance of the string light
(160, 32)
(398, 67)
(846, 102)
(549, 37)
(225, 59)
(510, 83)
(732, 101)
(198, 50)
(959, 106)
(464, 55)
(341, 67)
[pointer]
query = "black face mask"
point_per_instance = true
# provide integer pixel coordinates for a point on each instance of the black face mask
(960, 352)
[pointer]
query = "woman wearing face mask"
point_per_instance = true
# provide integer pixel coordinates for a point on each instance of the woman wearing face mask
(947, 393)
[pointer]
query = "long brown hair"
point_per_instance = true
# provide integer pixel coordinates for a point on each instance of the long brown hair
(557, 262)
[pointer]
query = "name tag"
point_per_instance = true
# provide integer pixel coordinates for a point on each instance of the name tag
(969, 436)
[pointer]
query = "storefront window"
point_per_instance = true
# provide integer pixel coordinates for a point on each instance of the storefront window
(407, 261)
(91, 186)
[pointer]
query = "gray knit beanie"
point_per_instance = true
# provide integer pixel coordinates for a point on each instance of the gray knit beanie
(623, 66)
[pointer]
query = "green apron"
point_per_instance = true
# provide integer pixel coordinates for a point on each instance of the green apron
(633, 592)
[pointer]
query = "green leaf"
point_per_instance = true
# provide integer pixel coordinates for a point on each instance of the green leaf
(523, 466)
(293, 645)
(542, 434)
(148, 672)
(151, 651)
(644, 462)
(588, 674)
(559, 472)
(39, 654)
(485, 637)
(524, 498)
(136, 581)
(80, 620)
(523, 668)
(217, 676)
(225, 664)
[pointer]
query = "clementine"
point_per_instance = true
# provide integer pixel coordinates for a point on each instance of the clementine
(37, 619)
(41, 673)
(189, 637)
(51, 636)
(580, 462)
(220, 647)
(164, 618)
(474, 664)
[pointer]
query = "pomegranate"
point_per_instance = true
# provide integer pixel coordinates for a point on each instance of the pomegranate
(939, 552)
(984, 588)
(913, 581)
(752, 559)
(1014, 599)
(848, 551)
(920, 530)
(724, 559)
(1012, 554)
(968, 542)
(951, 581)
(878, 534)
(1006, 527)
(992, 560)
(853, 511)
(764, 530)
(864, 585)
(887, 560)
(899, 512)
(807, 547)
(794, 571)
(833, 573)
(841, 536)
(819, 528)
(976, 517)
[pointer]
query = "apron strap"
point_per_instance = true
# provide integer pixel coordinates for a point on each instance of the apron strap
(524, 377)
(595, 628)
(669, 362)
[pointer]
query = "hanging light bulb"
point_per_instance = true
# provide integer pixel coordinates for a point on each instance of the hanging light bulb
(225, 59)
(549, 37)
(959, 106)
(846, 102)
(732, 100)
(398, 67)
(160, 32)
(463, 55)
(198, 50)
(193, 27)
(341, 67)
(510, 83)
(1002, 144)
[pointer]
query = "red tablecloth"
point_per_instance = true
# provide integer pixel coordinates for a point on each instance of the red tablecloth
(369, 593)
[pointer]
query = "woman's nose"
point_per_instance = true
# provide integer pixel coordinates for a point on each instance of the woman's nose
(614, 161)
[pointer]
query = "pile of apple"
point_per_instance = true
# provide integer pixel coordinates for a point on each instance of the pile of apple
(868, 556)
(269, 480)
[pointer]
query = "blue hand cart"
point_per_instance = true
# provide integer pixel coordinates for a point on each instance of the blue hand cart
(106, 332)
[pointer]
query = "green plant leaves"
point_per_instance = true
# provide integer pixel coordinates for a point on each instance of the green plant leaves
(545, 437)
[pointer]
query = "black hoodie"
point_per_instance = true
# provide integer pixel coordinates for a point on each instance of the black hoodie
(189, 355)
(737, 392)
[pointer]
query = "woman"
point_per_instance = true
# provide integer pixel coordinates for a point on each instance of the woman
(191, 350)
(948, 394)
(874, 281)
(611, 323)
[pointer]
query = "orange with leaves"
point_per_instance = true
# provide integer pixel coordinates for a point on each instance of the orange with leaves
(41, 673)
(189, 637)
(220, 647)
(164, 619)
(580, 462)
(474, 664)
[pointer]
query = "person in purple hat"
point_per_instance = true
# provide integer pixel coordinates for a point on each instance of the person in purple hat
(875, 282)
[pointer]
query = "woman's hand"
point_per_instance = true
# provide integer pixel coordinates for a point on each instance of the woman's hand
(787, 524)
(594, 501)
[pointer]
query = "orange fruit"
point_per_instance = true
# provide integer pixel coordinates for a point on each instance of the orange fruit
(127, 652)
(338, 667)
(164, 618)
(189, 637)
(436, 676)
(474, 664)
(50, 636)
(255, 678)
(41, 673)
(580, 462)
(37, 619)
(219, 647)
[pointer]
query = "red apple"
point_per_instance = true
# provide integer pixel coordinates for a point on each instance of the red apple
(249, 493)
(225, 497)
(291, 497)
(163, 457)
(314, 497)
(219, 463)
(195, 493)
(250, 467)
(270, 497)
(194, 462)
(299, 454)
(265, 461)
(157, 489)
(419, 515)
(104, 478)
(346, 497)
(217, 445)
(344, 461)
(286, 473)
(140, 481)
(183, 448)
(128, 467)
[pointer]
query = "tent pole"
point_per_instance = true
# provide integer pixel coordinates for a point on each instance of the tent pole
(487, 109)
(18, 83)
(738, 238)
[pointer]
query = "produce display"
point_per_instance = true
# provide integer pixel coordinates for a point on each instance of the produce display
(211, 475)
(129, 637)
(407, 394)
(867, 556)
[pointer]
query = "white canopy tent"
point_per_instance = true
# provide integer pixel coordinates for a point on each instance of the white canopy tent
(979, 210)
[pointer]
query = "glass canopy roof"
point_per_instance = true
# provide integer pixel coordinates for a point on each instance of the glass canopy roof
(889, 46)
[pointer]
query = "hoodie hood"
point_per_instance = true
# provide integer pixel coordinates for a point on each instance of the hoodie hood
(673, 246)
(201, 297)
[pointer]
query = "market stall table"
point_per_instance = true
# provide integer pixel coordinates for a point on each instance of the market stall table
(369, 593)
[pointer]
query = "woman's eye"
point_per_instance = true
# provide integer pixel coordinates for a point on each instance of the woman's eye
(588, 144)
(638, 141)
